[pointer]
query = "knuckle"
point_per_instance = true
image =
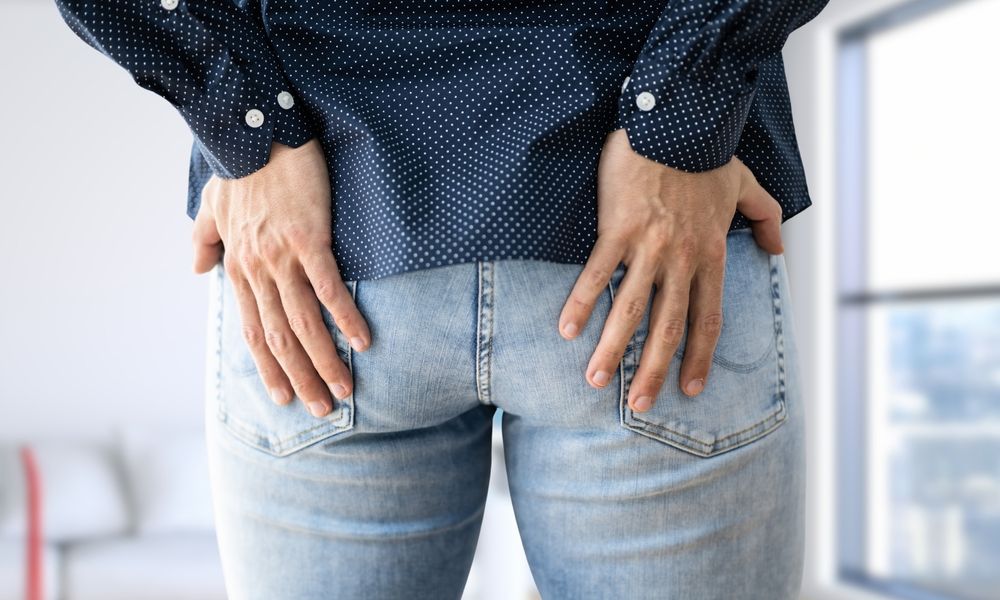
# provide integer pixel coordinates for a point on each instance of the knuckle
(715, 252)
(299, 382)
(655, 378)
(326, 366)
(633, 310)
(686, 250)
(229, 262)
(300, 324)
(319, 238)
(608, 355)
(578, 303)
(270, 250)
(344, 320)
(597, 277)
(253, 336)
(270, 373)
(297, 234)
(660, 242)
(326, 290)
(304, 237)
(277, 341)
(710, 324)
(670, 331)
(249, 262)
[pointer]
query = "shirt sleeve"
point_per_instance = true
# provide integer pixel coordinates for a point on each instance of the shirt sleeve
(689, 93)
(213, 61)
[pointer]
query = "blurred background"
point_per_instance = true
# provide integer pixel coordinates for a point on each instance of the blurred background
(894, 275)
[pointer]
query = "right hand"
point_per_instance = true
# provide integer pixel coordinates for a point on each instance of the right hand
(272, 230)
(670, 229)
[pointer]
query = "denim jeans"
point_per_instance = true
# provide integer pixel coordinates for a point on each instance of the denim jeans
(698, 498)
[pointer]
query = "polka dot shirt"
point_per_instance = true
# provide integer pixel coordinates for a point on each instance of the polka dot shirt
(463, 130)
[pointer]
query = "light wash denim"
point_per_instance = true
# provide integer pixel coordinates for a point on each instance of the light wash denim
(699, 498)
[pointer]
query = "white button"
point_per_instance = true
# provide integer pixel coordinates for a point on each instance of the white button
(645, 101)
(285, 100)
(169, 4)
(625, 83)
(255, 118)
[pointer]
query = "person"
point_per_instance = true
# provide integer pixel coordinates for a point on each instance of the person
(416, 213)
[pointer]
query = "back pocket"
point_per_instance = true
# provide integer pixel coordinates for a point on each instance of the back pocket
(744, 395)
(243, 404)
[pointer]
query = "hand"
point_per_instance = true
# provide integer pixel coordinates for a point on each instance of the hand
(272, 230)
(669, 227)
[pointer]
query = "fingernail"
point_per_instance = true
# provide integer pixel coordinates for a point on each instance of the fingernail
(570, 329)
(601, 377)
(695, 386)
(338, 390)
(318, 409)
(279, 396)
(643, 403)
(357, 343)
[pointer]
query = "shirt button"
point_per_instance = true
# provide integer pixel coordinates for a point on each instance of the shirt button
(285, 100)
(625, 83)
(169, 4)
(645, 101)
(255, 118)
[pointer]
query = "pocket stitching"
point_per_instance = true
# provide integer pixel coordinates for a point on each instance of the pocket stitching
(274, 445)
(767, 424)
(283, 446)
(685, 442)
(728, 364)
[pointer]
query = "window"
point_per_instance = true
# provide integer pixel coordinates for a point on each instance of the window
(918, 312)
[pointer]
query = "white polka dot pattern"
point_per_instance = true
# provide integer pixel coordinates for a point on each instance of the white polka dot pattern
(703, 59)
(462, 130)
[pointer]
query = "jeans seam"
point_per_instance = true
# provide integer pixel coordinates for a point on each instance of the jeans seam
(484, 341)
(779, 333)
(219, 411)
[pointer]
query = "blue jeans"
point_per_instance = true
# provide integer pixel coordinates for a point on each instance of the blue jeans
(699, 498)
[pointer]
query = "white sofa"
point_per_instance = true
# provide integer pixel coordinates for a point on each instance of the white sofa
(127, 519)
(131, 519)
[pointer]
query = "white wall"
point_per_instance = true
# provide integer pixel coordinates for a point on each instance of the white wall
(101, 316)
(810, 253)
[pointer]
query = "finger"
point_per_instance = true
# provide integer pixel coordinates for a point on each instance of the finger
(764, 213)
(627, 310)
(206, 240)
(285, 347)
(589, 286)
(270, 371)
(324, 276)
(666, 328)
(306, 322)
(705, 322)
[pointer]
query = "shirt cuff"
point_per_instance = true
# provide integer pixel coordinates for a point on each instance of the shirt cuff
(292, 125)
(688, 123)
(235, 134)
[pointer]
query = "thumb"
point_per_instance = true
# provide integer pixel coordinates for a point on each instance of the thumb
(206, 240)
(764, 213)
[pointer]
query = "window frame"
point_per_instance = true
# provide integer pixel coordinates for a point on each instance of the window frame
(852, 298)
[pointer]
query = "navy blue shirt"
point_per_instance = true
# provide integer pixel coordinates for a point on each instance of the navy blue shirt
(463, 130)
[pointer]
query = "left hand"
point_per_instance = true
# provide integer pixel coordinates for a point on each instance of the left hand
(669, 227)
(272, 231)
